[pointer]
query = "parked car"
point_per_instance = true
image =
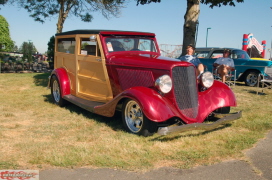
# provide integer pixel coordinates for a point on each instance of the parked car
(247, 70)
(104, 71)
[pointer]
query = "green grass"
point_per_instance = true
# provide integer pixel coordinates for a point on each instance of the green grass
(37, 134)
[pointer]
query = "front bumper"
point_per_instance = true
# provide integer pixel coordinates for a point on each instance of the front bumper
(200, 126)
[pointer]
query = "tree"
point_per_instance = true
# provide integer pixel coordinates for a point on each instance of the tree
(28, 49)
(191, 16)
(6, 44)
(15, 48)
(3, 2)
(51, 48)
(43, 9)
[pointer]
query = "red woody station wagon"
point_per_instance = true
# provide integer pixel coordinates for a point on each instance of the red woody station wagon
(104, 71)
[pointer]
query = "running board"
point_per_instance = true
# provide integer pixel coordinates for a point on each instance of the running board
(83, 103)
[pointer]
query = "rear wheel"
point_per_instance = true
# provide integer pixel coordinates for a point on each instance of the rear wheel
(251, 78)
(56, 92)
(135, 121)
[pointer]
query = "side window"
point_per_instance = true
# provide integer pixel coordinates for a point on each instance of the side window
(66, 45)
(88, 47)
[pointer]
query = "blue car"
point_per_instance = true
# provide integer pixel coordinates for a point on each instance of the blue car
(247, 70)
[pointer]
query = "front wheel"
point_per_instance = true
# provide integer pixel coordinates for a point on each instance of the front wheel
(251, 78)
(135, 121)
(56, 92)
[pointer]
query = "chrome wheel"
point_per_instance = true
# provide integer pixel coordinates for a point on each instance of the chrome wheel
(56, 91)
(133, 116)
(251, 78)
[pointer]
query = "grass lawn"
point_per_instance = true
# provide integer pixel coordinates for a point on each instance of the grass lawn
(37, 134)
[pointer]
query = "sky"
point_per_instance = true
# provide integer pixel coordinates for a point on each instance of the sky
(165, 19)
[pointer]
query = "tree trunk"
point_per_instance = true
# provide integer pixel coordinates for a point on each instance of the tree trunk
(63, 14)
(60, 19)
(190, 23)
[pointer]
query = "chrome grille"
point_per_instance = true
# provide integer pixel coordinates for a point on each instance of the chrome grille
(185, 90)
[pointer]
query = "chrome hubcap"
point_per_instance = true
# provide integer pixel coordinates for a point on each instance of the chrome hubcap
(252, 79)
(56, 91)
(133, 116)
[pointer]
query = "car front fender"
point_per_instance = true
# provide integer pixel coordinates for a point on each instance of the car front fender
(154, 106)
(219, 95)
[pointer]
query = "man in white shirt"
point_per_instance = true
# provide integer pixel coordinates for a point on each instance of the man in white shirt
(224, 65)
(189, 57)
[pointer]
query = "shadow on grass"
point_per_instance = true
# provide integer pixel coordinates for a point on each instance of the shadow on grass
(114, 122)
(256, 92)
(172, 137)
(41, 79)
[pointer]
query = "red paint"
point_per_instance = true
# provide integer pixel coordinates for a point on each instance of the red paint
(63, 80)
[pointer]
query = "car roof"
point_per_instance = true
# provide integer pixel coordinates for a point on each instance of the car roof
(105, 32)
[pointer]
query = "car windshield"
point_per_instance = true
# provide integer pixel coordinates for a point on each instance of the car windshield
(125, 43)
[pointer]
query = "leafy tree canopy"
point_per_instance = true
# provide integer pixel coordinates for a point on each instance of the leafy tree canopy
(2, 2)
(51, 48)
(6, 44)
(212, 3)
(43, 9)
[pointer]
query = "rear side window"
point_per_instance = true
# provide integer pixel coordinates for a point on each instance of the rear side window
(239, 54)
(66, 45)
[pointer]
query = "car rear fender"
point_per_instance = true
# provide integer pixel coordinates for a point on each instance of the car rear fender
(63, 79)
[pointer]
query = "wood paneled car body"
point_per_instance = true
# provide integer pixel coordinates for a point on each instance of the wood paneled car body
(103, 71)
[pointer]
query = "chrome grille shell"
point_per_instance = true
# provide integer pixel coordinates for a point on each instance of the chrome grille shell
(185, 90)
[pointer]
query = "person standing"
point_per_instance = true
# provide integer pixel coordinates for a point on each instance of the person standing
(190, 57)
(224, 64)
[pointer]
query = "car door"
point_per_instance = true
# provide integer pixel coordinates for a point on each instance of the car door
(92, 77)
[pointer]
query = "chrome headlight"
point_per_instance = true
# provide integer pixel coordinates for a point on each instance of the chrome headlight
(207, 79)
(164, 83)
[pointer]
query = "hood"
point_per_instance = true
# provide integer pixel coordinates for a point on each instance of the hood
(145, 61)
